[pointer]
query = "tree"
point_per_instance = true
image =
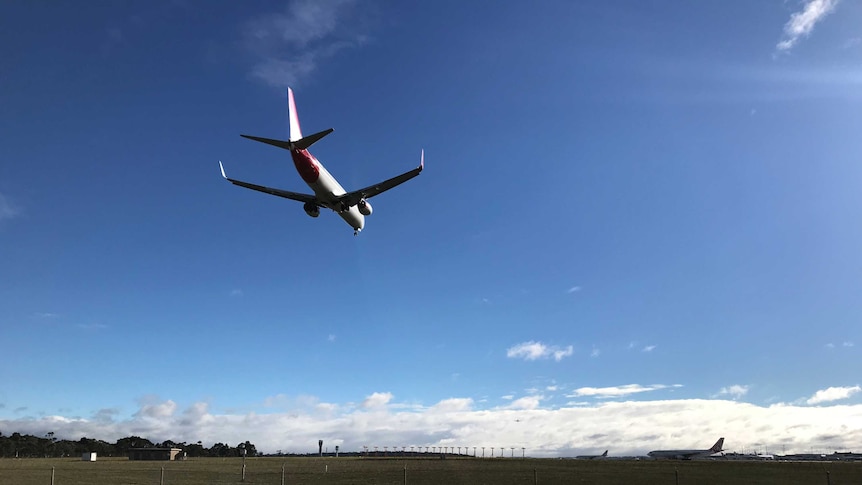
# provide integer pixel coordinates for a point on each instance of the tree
(221, 450)
(195, 449)
(122, 446)
(250, 450)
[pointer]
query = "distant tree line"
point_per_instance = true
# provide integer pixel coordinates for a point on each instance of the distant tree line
(28, 446)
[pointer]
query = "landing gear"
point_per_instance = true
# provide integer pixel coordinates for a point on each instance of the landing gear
(356, 232)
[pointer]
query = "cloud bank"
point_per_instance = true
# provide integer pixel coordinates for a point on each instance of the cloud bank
(627, 428)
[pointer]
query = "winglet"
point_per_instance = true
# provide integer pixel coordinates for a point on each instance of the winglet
(222, 169)
(422, 159)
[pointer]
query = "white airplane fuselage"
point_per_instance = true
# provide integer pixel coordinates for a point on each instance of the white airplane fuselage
(325, 187)
(328, 193)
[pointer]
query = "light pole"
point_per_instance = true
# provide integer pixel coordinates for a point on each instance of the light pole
(483, 452)
(243, 451)
(522, 452)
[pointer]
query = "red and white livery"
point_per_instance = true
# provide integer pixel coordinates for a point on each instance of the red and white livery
(328, 193)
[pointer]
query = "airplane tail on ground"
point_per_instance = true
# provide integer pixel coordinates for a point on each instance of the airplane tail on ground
(717, 446)
(605, 453)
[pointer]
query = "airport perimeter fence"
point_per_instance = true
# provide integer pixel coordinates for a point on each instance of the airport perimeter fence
(272, 471)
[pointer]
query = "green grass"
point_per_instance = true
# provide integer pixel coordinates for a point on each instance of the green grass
(358, 471)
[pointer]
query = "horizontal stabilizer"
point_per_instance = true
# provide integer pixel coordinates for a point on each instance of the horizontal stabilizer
(269, 141)
(302, 143)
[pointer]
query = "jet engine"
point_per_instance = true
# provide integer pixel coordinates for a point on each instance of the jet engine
(311, 209)
(364, 207)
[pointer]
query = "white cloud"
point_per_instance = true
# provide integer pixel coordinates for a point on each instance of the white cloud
(617, 391)
(832, 394)
(377, 400)
(527, 402)
(649, 348)
(595, 353)
(7, 210)
(735, 391)
(629, 428)
(290, 45)
(560, 354)
(801, 23)
(537, 350)
(852, 42)
(847, 344)
(574, 289)
(452, 405)
(45, 315)
(158, 410)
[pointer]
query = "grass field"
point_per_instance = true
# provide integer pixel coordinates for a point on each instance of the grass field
(357, 471)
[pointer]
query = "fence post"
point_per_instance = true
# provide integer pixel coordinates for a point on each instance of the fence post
(535, 477)
(282, 474)
(162, 477)
(828, 478)
(52, 475)
(405, 474)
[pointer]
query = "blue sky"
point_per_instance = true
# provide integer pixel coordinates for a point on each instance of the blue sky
(638, 226)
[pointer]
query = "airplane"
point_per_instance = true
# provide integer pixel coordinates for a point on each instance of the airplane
(593, 457)
(328, 193)
(687, 454)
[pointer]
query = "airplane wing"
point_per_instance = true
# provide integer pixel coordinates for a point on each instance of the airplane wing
(269, 190)
(353, 198)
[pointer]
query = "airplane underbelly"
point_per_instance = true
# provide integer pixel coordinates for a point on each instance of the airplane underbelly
(327, 189)
(354, 218)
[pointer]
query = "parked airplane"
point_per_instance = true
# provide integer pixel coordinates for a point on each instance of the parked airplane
(593, 457)
(687, 454)
(328, 193)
